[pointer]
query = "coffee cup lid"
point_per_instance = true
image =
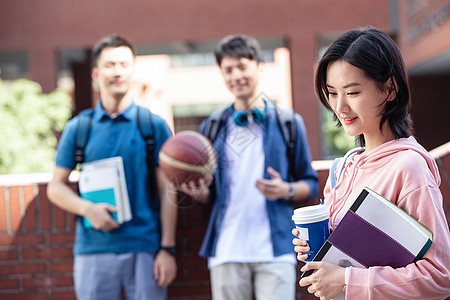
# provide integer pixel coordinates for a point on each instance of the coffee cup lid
(310, 214)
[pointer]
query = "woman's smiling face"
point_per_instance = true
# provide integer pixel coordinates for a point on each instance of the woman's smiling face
(357, 101)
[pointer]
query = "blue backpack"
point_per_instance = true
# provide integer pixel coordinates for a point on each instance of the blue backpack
(333, 178)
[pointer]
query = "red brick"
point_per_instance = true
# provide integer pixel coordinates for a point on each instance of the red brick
(9, 284)
(59, 220)
(72, 222)
(74, 186)
(23, 295)
(192, 214)
(44, 282)
(192, 232)
(307, 296)
(61, 238)
(61, 267)
(30, 211)
(63, 295)
(21, 239)
(15, 208)
(189, 290)
(22, 268)
(198, 274)
(3, 210)
(193, 260)
(49, 253)
(10, 254)
(196, 297)
(44, 207)
(193, 246)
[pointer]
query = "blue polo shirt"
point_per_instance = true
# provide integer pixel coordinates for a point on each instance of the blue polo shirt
(111, 137)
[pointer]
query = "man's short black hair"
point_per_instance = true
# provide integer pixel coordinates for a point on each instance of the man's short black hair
(112, 41)
(238, 46)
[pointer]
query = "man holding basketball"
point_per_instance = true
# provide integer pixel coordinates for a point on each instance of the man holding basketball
(137, 256)
(252, 191)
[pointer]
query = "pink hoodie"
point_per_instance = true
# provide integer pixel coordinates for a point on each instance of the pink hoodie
(405, 173)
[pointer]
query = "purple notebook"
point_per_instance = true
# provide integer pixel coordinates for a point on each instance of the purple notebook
(375, 232)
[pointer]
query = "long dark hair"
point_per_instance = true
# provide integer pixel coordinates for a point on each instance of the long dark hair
(376, 54)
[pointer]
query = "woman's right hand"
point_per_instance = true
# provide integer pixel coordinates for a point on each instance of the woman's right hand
(301, 246)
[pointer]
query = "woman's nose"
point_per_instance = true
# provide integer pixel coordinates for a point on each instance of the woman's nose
(342, 105)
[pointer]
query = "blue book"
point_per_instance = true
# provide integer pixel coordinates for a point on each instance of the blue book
(100, 196)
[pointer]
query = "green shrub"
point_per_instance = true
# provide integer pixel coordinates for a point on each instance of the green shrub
(336, 141)
(28, 123)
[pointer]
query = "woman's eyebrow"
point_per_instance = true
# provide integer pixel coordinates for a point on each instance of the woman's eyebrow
(351, 84)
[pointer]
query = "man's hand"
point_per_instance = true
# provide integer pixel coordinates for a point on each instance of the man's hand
(273, 188)
(99, 214)
(198, 191)
(326, 282)
(165, 268)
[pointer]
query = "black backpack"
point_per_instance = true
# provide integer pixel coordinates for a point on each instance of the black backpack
(146, 128)
(286, 121)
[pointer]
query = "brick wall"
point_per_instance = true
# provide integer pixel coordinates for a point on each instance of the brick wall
(36, 240)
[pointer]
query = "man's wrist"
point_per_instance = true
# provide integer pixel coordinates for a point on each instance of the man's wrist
(172, 250)
(291, 194)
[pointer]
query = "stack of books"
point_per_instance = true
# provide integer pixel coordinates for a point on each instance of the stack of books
(375, 232)
(103, 181)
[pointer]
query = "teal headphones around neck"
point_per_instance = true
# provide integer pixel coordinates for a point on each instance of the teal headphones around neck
(240, 117)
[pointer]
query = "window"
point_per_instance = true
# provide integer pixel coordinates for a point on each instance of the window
(13, 65)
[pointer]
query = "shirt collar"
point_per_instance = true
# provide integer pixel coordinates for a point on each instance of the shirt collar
(270, 109)
(127, 114)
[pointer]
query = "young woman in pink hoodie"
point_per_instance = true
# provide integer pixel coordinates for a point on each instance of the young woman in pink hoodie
(362, 79)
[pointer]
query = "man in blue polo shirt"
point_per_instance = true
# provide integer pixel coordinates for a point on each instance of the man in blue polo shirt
(136, 256)
(248, 240)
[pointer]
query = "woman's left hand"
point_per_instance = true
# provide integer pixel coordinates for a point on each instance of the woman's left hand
(300, 246)
(326, 282)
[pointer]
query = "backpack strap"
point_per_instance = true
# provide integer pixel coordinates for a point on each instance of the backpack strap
(213, 124)
(332, 170)
(147, 130)
(333, 179)
(82, 134)
(286, 121)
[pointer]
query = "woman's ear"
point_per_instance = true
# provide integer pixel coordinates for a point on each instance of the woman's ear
(391, 88)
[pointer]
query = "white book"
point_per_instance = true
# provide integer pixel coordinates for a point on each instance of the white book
(375, 232)
(103, 181)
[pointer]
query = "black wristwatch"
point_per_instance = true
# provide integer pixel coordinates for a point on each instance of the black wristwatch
(171, 250)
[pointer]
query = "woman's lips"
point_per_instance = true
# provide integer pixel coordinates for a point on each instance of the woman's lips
(348, 121)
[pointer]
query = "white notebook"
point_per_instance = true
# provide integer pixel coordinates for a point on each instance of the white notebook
(103, 181)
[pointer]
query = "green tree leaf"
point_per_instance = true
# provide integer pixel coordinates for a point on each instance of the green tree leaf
(29, 120)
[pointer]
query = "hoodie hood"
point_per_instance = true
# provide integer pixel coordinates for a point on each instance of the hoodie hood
(394, 170)
(388, 151)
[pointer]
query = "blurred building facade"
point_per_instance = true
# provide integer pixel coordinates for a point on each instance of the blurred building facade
(49, 42)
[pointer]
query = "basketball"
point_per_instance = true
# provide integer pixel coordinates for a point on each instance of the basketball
(186, 156)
